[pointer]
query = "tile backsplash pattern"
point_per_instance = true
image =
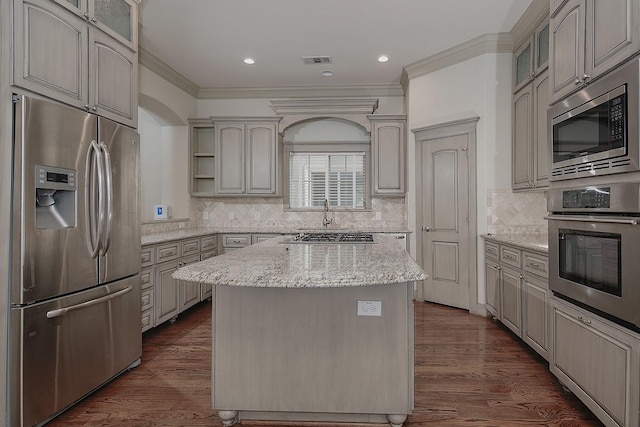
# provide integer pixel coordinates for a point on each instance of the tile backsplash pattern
(268, 213)
(516, 213)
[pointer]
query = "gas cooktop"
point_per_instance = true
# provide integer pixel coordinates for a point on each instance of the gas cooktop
(329, 237)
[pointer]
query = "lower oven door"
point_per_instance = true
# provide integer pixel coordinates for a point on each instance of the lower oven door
(593, 261)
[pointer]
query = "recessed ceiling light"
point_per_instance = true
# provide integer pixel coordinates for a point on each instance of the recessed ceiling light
(249, 61)
(327, 73)
(383, 58)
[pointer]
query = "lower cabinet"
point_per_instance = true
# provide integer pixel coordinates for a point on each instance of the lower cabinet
(164, 297)
(598, 361)
(517, 292)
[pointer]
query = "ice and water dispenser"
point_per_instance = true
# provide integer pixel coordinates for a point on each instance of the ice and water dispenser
(56, 197)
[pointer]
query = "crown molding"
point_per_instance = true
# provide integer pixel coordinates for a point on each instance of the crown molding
(529, 21)
(159, 67)
(486, 43)
(382, 90)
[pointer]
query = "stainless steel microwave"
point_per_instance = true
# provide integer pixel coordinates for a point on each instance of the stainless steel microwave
(595, 131)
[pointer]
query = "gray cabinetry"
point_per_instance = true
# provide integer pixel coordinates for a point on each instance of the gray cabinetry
(164, 297)
(246, 157)
(598, 361)
(388, 154)
(588, 38)
(517, 292)
(63, 54)
(530, 160)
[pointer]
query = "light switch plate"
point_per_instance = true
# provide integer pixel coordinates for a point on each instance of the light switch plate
(369, 308)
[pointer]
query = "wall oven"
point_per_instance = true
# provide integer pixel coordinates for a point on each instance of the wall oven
(596, 130)
(594, 242)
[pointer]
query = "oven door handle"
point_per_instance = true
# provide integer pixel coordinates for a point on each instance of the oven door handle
(628, 221)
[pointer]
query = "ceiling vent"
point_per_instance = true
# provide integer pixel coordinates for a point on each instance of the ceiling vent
(310, 60)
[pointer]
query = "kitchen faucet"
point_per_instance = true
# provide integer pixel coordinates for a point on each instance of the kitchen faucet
(325, 220)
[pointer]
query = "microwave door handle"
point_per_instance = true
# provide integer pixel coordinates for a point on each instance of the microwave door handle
(627, 221)
(108, 210)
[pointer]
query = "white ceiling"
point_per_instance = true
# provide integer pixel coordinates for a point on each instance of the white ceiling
(207, 40)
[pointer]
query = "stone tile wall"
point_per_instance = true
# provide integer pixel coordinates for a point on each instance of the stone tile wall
(516, 213)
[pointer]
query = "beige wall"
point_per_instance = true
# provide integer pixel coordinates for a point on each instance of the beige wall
(480, 86)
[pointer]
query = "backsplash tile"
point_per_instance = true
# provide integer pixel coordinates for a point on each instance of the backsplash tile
(269, 213)
(516, 213)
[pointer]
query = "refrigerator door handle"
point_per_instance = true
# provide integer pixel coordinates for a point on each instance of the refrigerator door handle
(93, 172)
(108, 212)
(62, 311)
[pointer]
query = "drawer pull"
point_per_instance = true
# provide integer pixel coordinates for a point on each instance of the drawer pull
(507, 256)
(583, 320)
(170, 252)
(534, 265)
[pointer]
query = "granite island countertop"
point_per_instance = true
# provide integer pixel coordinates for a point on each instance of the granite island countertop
(536, 242)
(277, 264)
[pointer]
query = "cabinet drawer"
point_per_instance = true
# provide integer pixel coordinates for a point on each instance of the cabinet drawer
(536, 264)
(147, 320)
(257, 238)
(167, 252)
(510, 256)
(147, 256)
(236, 240)
(491, 250)
(208, 243)
(146, 298)
(208, 254)
(190, 247)
(146, 278)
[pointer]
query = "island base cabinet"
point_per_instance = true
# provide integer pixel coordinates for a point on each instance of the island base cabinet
(304, 354)
(598, 361)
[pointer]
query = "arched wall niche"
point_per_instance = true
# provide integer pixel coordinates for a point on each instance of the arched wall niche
(325, 129)
(164, 115)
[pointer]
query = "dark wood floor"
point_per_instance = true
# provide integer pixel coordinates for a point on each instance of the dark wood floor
(470, 371)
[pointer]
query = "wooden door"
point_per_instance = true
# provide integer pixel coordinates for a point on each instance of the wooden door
(567, 49)
(261, 158)
(166, 292)
(230, 158)
(445, 216)
(113, 71)
(522, 138)
(541, 157)
(611, 34)
(50, 51)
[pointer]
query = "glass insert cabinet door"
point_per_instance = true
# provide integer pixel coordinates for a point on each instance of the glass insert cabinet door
(118, 18)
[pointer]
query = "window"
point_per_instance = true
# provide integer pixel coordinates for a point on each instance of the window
(339, 177)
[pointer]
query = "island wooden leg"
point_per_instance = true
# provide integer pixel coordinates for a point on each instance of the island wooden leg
(229, 418)
(396, 420)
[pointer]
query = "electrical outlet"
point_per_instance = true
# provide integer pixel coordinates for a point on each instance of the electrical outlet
(205, 215)
(231, 216)
(257, 215)
(378, 216)
(369, 308)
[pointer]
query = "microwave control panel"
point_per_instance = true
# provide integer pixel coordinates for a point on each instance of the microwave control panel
(587, 198)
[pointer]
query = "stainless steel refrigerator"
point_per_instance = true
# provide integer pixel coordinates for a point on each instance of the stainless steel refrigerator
(75, 284)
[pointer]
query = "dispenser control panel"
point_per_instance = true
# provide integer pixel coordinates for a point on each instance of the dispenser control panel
(55, 178)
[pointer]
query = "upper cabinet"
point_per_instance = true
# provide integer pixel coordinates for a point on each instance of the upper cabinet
(82, 53)
(588, 38)
(388, 154)
(532, 57)
(530, 141)
(247, 157)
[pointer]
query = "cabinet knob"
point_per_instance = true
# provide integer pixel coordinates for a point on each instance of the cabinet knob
(93, 19)
(585, 77)
(94, 108)
(583, 320)
(426, 229)
(87, 107)
(577, 81)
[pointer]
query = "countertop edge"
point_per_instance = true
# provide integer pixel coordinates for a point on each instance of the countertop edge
(533, 242)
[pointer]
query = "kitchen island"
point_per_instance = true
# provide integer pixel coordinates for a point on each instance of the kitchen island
(312, 331)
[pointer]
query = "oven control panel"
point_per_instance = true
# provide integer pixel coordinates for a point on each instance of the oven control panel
(587, 198)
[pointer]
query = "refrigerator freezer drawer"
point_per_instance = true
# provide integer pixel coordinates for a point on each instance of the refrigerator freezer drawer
(71, 346)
